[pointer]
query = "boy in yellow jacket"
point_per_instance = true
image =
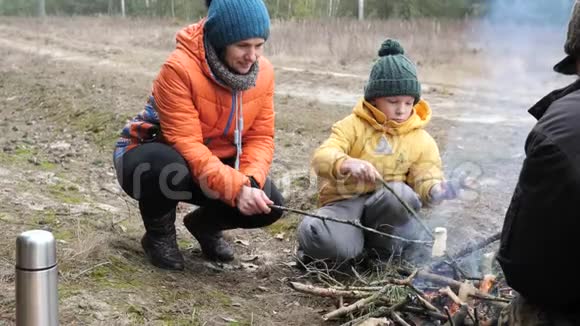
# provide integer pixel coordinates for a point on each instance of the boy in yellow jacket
(383, 137)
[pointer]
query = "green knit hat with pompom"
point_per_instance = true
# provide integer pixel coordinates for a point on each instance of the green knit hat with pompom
(393, 74)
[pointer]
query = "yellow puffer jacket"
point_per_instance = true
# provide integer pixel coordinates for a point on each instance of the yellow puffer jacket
(399, 151)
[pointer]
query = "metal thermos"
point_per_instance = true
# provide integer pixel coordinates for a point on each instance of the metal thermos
(36, 279)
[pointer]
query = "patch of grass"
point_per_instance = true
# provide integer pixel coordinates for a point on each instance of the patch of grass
(137, 314)
(174, 318)
(25, 156)
(284, 225)
(220, 297)
(184, 244)
(5, 217)
(104, 127)
(119, 274)
(67, 290)
(24, 152)
(68, 194)
(46, 166)
(48, 217)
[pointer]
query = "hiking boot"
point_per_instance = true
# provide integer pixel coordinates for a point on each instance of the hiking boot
(213, 245)
(162, 251)
(160, 241)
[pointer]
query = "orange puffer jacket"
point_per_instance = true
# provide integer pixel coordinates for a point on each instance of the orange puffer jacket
(198, 116)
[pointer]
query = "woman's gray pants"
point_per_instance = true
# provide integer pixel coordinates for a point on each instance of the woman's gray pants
(380, 210)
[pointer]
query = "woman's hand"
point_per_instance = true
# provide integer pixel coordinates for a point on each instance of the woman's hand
(359, 169)
(253, 201)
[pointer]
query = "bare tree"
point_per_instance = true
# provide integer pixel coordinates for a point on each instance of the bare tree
(361, 9)
(123, 8)
(330, 3)
(41, 8)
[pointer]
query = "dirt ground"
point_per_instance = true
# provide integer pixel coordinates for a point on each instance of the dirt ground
(67, 85)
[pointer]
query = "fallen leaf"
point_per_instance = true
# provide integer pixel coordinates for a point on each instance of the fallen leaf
(249, 258)
(229, 320)
(291, 264)
(375, 322)
(242, 242)
(249, 266)
(279, 236)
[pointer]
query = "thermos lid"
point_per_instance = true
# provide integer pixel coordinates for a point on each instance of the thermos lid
(35, 249)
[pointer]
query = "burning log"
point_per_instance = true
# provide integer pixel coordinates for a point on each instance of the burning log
(487, 283)
(456, 285)
(463, 306)
(458, 319)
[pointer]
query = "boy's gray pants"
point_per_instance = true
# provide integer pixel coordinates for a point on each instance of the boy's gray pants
(379, 210)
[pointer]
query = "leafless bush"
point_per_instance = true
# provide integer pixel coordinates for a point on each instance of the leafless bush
(430, 42)
(345, 41)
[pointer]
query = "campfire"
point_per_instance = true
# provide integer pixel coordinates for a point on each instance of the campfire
(398, 293)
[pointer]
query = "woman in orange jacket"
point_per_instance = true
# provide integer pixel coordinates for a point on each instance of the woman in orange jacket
(206, 136)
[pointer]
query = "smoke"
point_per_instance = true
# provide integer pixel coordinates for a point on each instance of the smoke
(517, 43)
(552, 12)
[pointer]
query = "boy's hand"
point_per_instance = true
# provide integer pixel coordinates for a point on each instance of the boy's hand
(252, 201)
(444, 191)
(359, 169)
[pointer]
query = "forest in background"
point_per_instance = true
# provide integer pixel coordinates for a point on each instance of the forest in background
(534, 11)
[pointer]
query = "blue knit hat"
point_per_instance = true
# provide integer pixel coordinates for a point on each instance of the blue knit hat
(231, 21)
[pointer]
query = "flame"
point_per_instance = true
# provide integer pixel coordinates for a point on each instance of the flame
(430, 295)
(454, 308)
(487, 283)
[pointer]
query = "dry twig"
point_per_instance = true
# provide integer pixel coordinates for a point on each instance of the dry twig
(357, 305)
(382, 311)
(354, 223)
(398, 319)
(330, 292)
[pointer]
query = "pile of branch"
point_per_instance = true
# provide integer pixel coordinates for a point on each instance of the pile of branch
(455, 301)
(405, 297)
(452, 304)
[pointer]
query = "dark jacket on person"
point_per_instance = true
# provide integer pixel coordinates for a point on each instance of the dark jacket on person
(540, 240)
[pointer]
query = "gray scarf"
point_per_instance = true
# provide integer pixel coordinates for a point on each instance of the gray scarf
(235, 81)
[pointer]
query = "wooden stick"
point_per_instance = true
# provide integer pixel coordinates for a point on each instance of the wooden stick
(330, 292)
(407, 207)
(359, 288)
(382, 311)
(354, 223)
(398, 319)
(427, 304)
(355, 306)
(455, 285)
(449, 317)
(423, 225)
(459, 318)
(447, 291)
(432, 314)
(468, 249)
